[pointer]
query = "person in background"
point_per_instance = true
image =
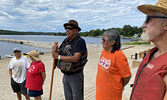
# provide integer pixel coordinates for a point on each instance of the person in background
(113, 69)
(72, 57)
(35, 76)
(151, 78)
(18, 66)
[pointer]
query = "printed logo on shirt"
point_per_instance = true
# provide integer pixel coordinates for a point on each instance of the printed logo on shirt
(105, 63)
(17, 69)
(150, 66)
(31, 68)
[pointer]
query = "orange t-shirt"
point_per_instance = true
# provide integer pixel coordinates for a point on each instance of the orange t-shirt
(112, 67)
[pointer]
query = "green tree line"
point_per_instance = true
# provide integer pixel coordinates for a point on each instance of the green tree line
(126, 31)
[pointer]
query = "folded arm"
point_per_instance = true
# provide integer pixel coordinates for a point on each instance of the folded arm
(125, 80)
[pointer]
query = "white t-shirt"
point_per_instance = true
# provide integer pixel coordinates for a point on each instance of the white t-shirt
(19, 68)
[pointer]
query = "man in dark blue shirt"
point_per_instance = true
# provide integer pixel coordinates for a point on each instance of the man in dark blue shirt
(72, 57)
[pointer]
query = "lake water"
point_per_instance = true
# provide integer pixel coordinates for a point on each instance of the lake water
(7, 48)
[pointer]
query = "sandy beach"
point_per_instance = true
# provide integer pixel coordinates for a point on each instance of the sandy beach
(90, 72)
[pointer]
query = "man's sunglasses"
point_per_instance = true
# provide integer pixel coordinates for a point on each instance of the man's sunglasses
(105, 39)
(16, 51)
(148, 18)
(69, 28)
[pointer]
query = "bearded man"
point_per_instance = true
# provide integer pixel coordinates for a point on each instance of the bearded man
(151, 78)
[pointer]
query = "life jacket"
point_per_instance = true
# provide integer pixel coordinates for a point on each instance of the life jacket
(69, 50)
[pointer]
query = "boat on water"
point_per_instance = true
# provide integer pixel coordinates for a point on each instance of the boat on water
(9, 56)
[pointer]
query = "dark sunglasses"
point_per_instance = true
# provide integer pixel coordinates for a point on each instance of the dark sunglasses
(69, 28)
(105, 39)
(148, 18)
(16, 51)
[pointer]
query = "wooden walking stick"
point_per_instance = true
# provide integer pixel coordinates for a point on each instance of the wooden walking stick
(51, 84)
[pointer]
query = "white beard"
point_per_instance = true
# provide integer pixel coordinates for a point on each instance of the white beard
(145, 37)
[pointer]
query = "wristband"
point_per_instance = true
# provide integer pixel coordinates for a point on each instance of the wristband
(59, 57)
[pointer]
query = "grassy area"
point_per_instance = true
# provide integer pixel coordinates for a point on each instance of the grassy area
(136, 43)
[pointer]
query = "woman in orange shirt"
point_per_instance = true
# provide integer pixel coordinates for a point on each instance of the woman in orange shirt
(113, 69)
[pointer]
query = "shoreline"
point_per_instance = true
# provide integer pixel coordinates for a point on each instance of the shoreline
(46, 45)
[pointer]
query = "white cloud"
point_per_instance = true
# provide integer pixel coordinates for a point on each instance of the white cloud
(50, 15)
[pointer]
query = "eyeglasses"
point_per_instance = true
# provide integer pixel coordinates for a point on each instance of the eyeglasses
(69, 28)
(105, 39)
(148, 18)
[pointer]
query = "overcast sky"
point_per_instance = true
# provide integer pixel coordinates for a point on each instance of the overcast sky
(50, 15)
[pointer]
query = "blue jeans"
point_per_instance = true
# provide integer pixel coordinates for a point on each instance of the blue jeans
(74, 86)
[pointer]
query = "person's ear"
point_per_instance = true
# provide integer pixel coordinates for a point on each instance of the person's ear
(113, 42)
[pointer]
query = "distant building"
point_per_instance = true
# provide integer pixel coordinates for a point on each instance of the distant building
(135, 36)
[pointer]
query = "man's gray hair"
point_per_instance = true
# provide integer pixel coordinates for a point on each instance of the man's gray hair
(113, 35)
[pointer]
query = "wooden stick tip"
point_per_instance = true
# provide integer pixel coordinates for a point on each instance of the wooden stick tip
(56, 42)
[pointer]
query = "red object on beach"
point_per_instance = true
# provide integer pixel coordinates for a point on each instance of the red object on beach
(51, 84)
